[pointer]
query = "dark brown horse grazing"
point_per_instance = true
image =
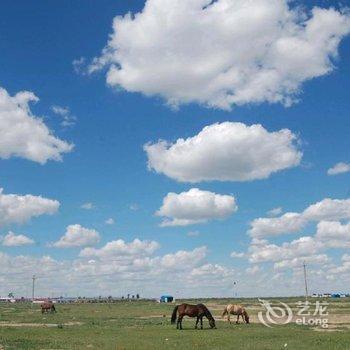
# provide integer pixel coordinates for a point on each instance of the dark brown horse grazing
(48, 306)
(198, 311)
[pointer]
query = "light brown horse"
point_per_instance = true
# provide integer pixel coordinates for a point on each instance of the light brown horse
(198, 311)
(48, 306)
(238, 310)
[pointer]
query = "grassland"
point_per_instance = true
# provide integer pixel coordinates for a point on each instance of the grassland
(146, 325)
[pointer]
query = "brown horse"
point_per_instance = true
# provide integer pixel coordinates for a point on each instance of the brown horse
(238, 310)
(48, 306)
(198, 311)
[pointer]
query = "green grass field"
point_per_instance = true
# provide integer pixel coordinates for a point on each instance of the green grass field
(146, 325)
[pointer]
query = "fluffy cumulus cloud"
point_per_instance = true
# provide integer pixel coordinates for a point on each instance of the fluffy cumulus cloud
(339, 168)
(221, 53)
(327, 209)
(117, 268)
(25, 135)
(317, 261)
(263, 251)
(18, 209)
(183, 258)
(13, 240)
(194, 207)
(133, 267)
(226, 152)
(334, 234)
(331, 233)
(344, 268)
(120, 248)
(286, 256)
(289, 222)
(77, 236)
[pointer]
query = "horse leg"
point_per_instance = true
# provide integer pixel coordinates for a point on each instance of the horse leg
(228, 318)
(237, 319)
(196, 322)
(180, 321)
(201, 322)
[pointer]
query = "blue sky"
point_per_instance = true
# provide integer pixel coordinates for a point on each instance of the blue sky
(108, 166)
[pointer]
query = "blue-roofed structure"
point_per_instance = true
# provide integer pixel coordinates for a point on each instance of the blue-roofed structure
(166, 299)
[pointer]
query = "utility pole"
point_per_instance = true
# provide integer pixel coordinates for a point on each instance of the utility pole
(305, 281)
(33, 288)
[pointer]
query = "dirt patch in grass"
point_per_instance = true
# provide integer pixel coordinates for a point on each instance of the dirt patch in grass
(333, 328)
(12, 324)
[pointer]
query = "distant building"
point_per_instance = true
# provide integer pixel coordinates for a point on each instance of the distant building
(166, 299)
(7, 300)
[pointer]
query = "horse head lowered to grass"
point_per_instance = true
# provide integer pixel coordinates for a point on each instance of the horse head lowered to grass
(198, 311)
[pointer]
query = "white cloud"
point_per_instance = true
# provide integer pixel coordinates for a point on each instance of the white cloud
(227, 152)
(237, 254)
(18, 209)
(221, 53)
(117, 274)
(195, 206)
(213, 274)
(263, 251)
(120, 248)
(275, 211)
(180, 260)
(297, 263)
(110, 221)
(330, 234)
(25, 135)
(87, 206)
(287, 223)
(64, 112)
(132, 271)
(327, 209)
(183, 258)
(339, 168)
(253, 270)
(78, 65)
(334, 234)
(13, 240)
(77, 236)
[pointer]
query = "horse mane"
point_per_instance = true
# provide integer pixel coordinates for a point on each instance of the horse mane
(206, 311)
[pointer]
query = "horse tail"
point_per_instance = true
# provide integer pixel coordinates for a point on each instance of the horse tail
(225, 312)
(174, 314)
